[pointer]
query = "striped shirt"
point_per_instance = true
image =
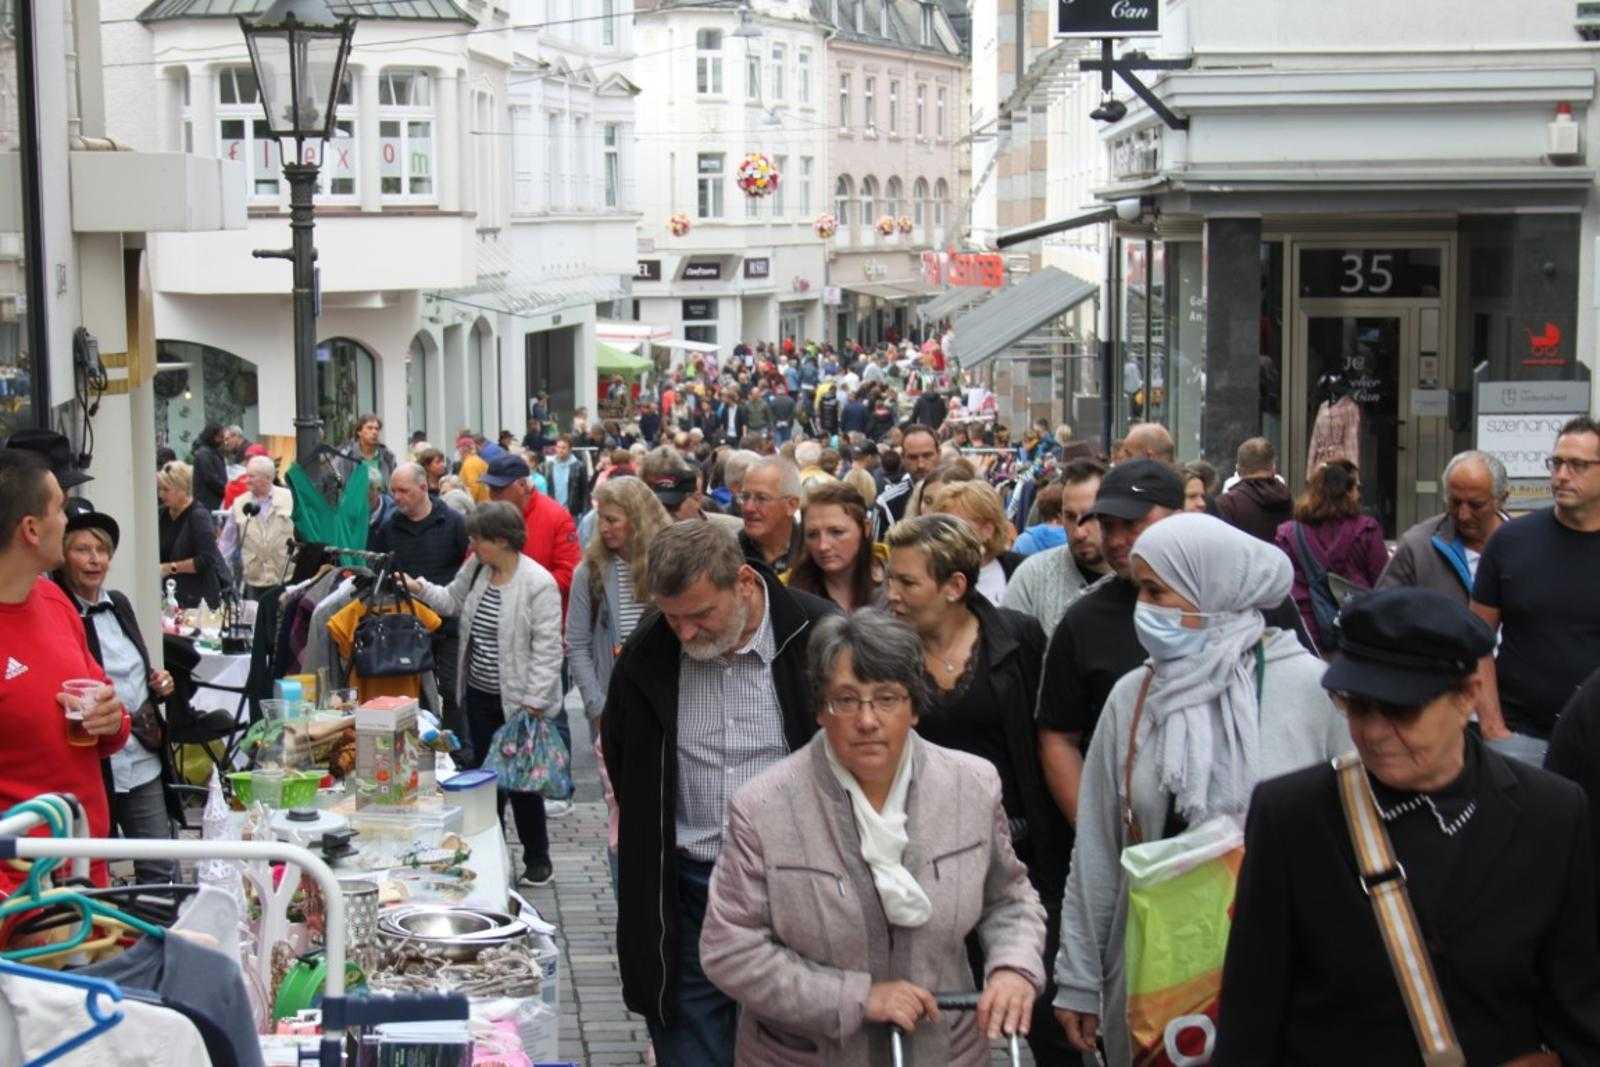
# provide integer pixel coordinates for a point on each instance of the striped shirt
(483, 663)
(730, 729)
(629, 609)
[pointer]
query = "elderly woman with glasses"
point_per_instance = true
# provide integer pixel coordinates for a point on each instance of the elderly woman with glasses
(854, 870)
(1423, 899)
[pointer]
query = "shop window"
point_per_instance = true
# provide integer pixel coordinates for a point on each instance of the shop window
(242, 133)
(1143, 385)
(201, 384)
(405, 136)
(1186, 329)
(347, 385)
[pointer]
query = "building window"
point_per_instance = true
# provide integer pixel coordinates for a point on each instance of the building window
(843, 193)
(405, 135)
(775, 78)
(243, 133)
(894, 107)
(941, 195)
(894, 195)
(580, 197)
(487, 145)
(938, 113)
(552, 160)
(708, 62)
(927, 24)
(869, 201)
(337, 160)
(608, 23)
(919, 205)
(806, 167)
(613, 165)
(802, 86)
(922, 109)
(752, 73)
(347, 384)
(883, 18)
(869, 117)
(844, 101)
(782, 163)
(709, 184)
(861, 16)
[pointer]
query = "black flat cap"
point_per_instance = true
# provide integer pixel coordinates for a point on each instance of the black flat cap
(1131, 489)
(57, 452)
(1405, 646)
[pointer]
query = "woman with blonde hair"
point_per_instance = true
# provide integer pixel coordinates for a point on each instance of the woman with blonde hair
(837, 558)
(978, 503)
(609, 595)
(189, 553)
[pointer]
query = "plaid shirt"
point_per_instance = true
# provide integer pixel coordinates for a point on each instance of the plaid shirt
(730, 729)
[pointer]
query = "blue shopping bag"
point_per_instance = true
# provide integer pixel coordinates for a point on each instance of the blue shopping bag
(530, 757)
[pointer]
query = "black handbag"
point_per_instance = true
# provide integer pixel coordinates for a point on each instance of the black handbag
(392, 644)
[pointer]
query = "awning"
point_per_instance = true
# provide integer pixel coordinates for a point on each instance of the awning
(951, 301)
(1014, 313)
(506, 286)
(612, 360)
(902, 289)
(687, 346)
(1032, 232)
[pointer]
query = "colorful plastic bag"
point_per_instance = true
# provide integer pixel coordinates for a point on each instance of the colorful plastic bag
(530, 757)
(1180, 912)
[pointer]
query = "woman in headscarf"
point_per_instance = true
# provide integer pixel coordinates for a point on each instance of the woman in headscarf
(1222, 703)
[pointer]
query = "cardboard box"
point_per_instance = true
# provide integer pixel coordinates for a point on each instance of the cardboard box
(386, 752)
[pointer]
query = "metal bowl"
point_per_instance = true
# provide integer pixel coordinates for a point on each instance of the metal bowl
(460, 932)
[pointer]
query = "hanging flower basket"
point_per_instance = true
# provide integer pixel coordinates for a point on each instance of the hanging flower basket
(756, 175)
(903, 223)
(886, 225)
(826, 225)
(679, 224)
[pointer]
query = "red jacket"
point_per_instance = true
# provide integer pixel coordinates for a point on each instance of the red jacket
(34, 754)
(552, 540)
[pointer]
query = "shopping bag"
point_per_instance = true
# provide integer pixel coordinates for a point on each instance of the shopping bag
(530, 757)
(1180, 911)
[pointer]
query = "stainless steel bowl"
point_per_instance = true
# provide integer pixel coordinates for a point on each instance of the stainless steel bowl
(460, 932)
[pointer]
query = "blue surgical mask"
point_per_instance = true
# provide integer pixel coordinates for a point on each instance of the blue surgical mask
(1163, 634)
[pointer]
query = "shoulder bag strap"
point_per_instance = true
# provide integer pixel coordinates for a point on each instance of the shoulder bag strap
(1315, 572)
(1130, 824)
(1383, 880)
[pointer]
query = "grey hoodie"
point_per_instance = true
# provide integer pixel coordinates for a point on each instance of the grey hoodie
(1299, 726)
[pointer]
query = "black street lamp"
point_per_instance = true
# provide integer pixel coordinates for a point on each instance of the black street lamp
(298, 50)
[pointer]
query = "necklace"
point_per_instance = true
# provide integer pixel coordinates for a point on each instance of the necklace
(1450, 829)
(944, 660)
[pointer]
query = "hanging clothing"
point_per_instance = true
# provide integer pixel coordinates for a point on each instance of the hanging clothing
(149, 1035)
(342, 628)
(344, 526)
(1336, 433)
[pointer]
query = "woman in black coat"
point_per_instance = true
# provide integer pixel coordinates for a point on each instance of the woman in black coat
(189, 553)
(210, 468)
(982, 665)
(1493, 854)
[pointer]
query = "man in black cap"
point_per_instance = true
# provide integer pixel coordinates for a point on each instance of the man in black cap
(676, 484)
(1095, 642)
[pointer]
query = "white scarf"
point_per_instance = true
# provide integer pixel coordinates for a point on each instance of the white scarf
(884, 840)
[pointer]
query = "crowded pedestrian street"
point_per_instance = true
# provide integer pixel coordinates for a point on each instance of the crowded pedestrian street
(778, 533)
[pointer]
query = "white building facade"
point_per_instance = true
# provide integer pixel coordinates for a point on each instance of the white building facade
(748, 268)
(898, 117)
(1392, 223)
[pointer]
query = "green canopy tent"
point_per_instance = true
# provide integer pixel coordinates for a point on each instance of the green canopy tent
(612, 360)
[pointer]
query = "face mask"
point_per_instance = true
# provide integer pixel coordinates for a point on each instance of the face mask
(1162, 633)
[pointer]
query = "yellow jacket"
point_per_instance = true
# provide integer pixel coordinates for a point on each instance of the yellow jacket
(473, 468)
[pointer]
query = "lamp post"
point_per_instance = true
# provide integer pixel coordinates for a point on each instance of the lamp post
(298, 50)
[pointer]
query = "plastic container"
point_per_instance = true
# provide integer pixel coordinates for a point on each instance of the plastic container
(299, 788)
(474, 793)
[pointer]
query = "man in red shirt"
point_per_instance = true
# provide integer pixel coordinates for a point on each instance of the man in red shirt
(552, 539)
(41, 646)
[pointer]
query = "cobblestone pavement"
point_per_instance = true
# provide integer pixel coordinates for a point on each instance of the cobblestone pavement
(596, 1029)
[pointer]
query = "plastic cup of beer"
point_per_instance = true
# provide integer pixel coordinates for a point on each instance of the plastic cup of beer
(82, 695)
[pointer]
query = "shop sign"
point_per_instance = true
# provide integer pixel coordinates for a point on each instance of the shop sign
(648, 270)
(1518, 421)
(872, 270)
(832, 295)
(1108, 18)
(1368, 273)
(699, 310)
(986, 269)
(758, 268)
(1136, 155)
(1544, 347)
(702, 270)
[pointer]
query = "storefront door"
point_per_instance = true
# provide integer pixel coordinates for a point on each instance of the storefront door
(1366, 387)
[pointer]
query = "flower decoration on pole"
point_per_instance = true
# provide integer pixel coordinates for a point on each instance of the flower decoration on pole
(679, 224)
(903, 223)
(756, 175)
(886, 225)
(826, 225)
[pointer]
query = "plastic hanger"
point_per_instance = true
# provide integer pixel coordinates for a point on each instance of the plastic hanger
(102, 1017)
(88, 908)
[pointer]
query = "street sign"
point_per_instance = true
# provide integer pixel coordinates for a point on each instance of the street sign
(1108, 18)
